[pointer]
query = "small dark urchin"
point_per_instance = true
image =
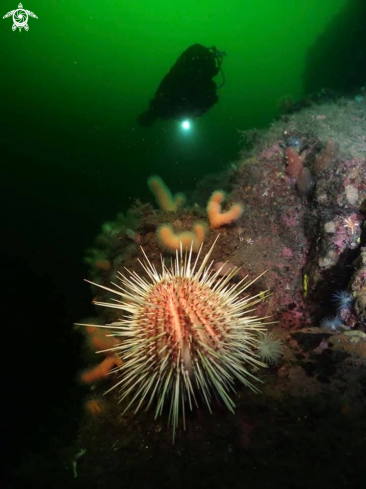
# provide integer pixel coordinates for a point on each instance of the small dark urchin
(187, 333)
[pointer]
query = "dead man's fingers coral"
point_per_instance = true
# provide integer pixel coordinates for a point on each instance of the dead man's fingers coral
(164, 198)
(218, 218)
(101, 370)
(199, 229)
(171, 241)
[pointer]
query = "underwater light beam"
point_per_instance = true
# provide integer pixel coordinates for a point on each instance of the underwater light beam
(186, 125)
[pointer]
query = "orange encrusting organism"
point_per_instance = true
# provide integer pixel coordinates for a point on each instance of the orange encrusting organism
(101, 370)
(164, 198)
(100, 342)
(179, 199)
(103, 265)
(91, 329)
(218, 218)
(95, 406)
(172, 241)
(200, 232)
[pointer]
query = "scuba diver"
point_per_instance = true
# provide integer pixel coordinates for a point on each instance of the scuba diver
(188, 90)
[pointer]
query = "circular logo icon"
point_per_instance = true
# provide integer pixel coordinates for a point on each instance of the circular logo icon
(20, 18)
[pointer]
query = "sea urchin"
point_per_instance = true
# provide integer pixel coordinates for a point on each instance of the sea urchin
(188, 333)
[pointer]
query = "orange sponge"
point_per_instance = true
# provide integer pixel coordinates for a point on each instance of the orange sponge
(215, 216)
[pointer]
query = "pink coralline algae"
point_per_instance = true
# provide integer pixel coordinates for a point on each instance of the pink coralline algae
(286, 252)
(307, 245)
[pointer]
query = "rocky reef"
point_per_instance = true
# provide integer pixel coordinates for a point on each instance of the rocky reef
(301, 188)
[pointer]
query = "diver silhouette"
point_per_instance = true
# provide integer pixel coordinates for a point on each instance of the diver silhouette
(188, 90)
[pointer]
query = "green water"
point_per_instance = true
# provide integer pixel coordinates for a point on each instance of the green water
(72, 154)
(74, 83)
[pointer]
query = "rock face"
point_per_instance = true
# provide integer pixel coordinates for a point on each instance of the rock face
(302, 186)
(312, 244)
(305, 227)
